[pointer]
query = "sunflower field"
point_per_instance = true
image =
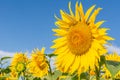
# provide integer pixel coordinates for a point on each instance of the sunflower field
(80, 52)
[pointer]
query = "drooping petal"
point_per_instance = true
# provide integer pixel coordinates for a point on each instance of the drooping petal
(66, 17)
(77, 16)
(93, 16)
(81, 11)
(98, 24)
(62, 24)
(69, 6)
(89, 12)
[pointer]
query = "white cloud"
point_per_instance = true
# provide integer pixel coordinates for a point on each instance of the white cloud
(5, 53)
(113, 48)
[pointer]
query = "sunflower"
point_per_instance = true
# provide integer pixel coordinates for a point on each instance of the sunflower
(17, 60)
(113, 57)
(80, 40)
(38, 65)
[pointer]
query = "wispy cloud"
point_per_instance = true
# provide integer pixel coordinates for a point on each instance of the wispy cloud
(113, 48)
(5, 53)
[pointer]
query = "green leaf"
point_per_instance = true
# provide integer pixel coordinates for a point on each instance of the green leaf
(93, 77)
(113, 67)
(7, 70)
(50, 55)
(19, 74)
(4, 58)
(74, 77)
(83, 75)
(56, 74)
(104, 79)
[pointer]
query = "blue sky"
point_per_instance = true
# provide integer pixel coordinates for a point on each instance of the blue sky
(27, 24)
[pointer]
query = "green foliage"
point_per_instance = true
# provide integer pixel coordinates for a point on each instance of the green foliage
(2, 63)
(113, 67)
(4, 58)
(50, 55)
(84, 76)
(5, 70)
(56, 75)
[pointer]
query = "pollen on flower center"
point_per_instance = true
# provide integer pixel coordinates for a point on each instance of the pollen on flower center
(79, 38)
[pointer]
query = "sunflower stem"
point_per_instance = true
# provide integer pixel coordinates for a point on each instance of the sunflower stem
(50, 67)
(96, 71)
(24, 76)
(79, 77)
(88, 74)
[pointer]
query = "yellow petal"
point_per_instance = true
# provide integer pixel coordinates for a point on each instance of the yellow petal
(103, 51)
(89, 12)
(108, 38)
(61, 55)
(61, 50)
(81, 11)
(102, 31)
(70, 61)
(90, 59)
(98, 24)
(62, 24)
(67, 18)
(76, 64)
(69, 6)
(42, 50)
(60, 32)
(93, 16)
(58, 45)
(59, 39)
(96, 45)
(76, 12)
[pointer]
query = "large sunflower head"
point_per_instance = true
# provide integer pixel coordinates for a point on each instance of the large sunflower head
(112, 57)
(80, 39)
(38, 63)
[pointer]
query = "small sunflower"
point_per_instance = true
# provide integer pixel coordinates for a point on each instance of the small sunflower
(80, 39)
(38, 65)
(17, 60)
(113, 57)
(19, 57)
